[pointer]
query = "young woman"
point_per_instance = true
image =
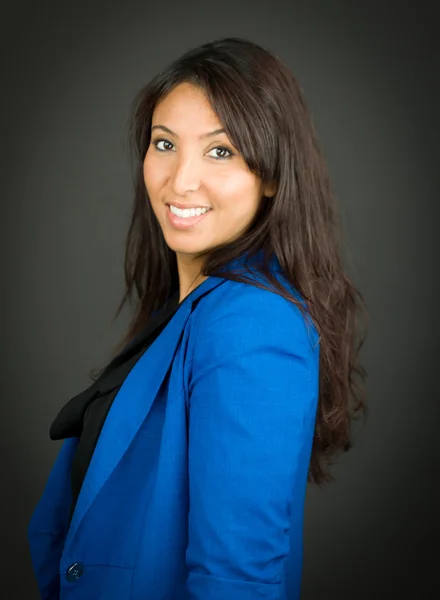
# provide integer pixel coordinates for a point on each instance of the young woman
(184, 466)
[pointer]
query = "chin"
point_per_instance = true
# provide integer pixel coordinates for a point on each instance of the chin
(180, 245)
(187, 249)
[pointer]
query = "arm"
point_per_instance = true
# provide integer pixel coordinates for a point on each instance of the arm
(252, 398)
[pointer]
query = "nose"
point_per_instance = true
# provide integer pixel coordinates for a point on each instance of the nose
(186, 176)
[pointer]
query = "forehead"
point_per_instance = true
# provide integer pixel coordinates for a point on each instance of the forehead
(186, 107)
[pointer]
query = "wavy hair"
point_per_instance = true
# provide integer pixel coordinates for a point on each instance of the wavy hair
(263, 110)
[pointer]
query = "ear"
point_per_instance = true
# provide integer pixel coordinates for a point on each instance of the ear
(270, 189)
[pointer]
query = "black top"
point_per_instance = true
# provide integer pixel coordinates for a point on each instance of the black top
(84, 415)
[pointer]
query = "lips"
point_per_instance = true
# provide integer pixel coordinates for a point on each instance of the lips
(184, 222)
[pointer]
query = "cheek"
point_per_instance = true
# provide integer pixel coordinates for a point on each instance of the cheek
(147, 168)
(150, 177)
(239, 191)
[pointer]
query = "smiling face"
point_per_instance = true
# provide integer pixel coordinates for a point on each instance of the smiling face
(187, 165)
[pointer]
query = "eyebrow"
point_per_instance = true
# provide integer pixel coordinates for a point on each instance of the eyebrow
(204, 135)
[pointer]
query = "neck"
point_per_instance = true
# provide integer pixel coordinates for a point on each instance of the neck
(190, 277)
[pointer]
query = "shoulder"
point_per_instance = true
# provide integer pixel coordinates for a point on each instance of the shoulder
(244, 302)
(243, 314)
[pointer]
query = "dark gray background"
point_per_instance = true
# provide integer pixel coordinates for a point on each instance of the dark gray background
(370, 73)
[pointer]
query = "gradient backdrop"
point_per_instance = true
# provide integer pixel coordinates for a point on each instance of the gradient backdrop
(370, 73)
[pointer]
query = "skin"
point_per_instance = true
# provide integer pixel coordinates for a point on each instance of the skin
(192, 168)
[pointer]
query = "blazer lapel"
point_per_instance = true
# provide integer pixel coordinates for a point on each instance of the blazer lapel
(132, 404)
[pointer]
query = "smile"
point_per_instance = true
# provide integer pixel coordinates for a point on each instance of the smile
(188, 212)
(187, 217)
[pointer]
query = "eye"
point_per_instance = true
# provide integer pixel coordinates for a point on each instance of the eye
(165, 143)
(220, 153)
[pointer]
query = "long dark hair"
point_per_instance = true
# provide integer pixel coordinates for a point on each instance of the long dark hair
(263, 110)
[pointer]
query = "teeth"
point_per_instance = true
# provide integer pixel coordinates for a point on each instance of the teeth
(188, 212)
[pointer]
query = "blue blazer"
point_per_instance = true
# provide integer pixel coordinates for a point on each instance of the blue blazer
(196, 488)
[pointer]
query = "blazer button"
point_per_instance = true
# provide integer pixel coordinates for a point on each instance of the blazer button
(74, 572)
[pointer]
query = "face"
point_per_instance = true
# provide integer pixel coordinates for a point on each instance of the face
(191, 163)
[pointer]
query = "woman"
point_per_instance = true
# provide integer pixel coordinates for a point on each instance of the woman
(184, 466)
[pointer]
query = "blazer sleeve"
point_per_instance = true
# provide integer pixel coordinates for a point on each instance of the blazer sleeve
(253, 396)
